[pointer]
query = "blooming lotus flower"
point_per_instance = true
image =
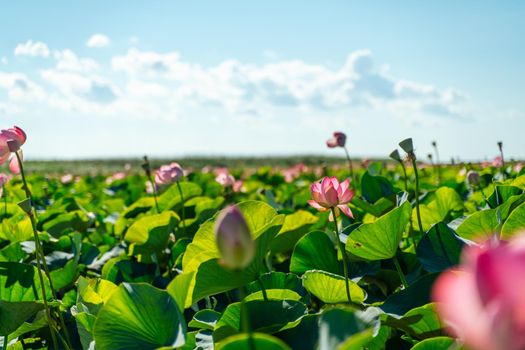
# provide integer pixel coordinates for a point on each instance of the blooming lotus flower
(168, 174)
(225, 179)
(337, 140)
(10, 141)
(483, 300)
(330, 194)
(237, 186)
(115, 177)
(234, 239)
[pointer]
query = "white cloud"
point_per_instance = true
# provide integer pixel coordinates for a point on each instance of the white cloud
(162, 85)
(67, 60)
(97, 41)
(30, 48)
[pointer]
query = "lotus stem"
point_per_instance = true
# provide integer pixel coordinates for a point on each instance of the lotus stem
(400, 272)
(350, 166)
(419, 222)
(41, 261)
(183, 208)
(263, 289)
(343, 253)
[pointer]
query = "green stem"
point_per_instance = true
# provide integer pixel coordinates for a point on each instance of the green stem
(263, 289)
(154, 192)
(43, 263)
(350, 166)
(400, 272)
(39, 255)
(245, 321)
(404, 175)
(4, 193)
(343, 253)
(419, 222)
(183, 209)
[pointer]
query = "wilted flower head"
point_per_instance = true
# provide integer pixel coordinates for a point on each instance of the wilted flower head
(225, 179)
(329, 193)
(407, 145)
(168, 174)
(473, 178)
(483, 300)
(337, 140)
(234, 240)
(395, 155)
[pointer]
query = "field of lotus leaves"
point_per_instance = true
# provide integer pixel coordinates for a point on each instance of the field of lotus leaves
(397, 254)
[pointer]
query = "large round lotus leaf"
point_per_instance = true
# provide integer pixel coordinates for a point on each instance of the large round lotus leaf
(330, 288)
(139, 316)
(380, 239)
(20, 294)
(258, 340)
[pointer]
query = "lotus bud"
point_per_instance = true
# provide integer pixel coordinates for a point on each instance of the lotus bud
(473, 178)
(407, 145)
(234, 239)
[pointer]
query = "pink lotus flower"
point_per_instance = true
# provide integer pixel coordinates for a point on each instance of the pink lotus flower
(497, 162)
(518, 167)
(225, 179)
(10, 141)
(329, 193)
(237, 186)
(168, 174)
(483, 300)
(337, 140)
(115, 177)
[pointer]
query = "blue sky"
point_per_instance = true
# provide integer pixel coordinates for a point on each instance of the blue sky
(173, 78)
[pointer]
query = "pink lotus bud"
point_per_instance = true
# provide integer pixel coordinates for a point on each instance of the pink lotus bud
(337, 140)
(168, 174)
(225, 179)
(66, 179)
(483, 300)
(473, 178)
(234, 239)
(329, 193)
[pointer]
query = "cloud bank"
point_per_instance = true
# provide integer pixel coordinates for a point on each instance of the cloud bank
(149, 84)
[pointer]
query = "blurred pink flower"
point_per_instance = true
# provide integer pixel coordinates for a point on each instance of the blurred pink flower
(149, 187)
(168, 174)
(4, 179)
(66, 179)
(237, 186)
(115, 177)
(225, 179)
(483, 300)
(337, 140)
(293, 172)
(329, 193)
(518, 167)
(497, 162)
